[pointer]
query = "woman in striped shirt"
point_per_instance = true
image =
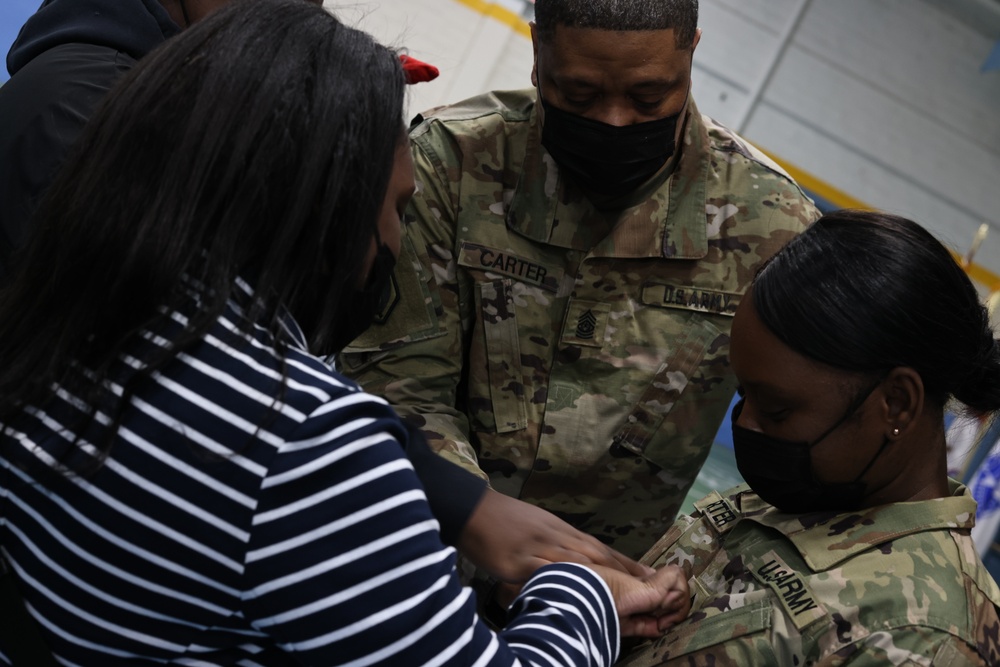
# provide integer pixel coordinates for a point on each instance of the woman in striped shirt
(182, 481)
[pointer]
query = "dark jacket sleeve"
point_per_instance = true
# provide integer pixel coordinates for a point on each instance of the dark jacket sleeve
(452, 492)
(45, 107)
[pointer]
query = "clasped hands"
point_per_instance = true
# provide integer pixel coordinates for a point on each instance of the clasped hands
(511, 539)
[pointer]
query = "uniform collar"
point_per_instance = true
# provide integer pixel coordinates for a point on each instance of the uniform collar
(663, 218)
(825, 540)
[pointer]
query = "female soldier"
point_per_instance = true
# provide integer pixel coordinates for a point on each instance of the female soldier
(182, 481)
(851, 545)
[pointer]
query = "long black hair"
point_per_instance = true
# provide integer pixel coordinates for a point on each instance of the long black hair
(868, 291)
(259, 143)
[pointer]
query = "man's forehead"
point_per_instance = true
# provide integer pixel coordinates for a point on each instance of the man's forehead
(563, 32)
(652, 55)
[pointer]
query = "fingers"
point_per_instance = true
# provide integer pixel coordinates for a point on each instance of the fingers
(511, 539)
(675, 608)
(667, 621)
(601, 554)
(589, 549)
(667, 578)
(648, 626)
(635, 595)
(648, 606)
(640, 626)
(635, 568)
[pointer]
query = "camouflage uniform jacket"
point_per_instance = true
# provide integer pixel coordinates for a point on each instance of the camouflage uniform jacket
(899, 584)
(577, 357)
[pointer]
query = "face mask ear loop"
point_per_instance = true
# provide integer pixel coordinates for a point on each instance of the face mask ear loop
(378, 246)
(857, 403)
(885, 443)
(184, 13)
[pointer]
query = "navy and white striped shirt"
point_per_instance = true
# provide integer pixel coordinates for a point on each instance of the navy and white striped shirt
(228, 529)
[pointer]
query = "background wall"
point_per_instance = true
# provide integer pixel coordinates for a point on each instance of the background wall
(13, 14)
(867, 102)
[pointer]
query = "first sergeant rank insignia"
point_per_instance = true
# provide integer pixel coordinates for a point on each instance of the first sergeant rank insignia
(586, 324)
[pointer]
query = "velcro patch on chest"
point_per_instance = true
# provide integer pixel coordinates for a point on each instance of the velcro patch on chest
(585, 323)
(718, 511)
(506, 263)
(687, 297)
(790, 587)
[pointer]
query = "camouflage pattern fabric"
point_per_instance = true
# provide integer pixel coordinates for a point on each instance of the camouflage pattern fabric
(899, 584)
(576, 357)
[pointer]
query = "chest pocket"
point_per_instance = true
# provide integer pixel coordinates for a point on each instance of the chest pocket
(500, 277)
(666, 387)
(732, 638)
(503, 354)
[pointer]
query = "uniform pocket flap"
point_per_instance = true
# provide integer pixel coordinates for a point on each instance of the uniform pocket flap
(696, 635)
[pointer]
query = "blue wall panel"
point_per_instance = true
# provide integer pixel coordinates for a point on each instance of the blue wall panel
(13, 14)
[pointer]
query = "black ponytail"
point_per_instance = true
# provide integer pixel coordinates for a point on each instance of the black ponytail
(979, 389)
(867, 291)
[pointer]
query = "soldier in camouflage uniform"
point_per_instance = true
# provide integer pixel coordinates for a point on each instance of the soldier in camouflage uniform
(853, 548)
(561, 321)
(898, 584)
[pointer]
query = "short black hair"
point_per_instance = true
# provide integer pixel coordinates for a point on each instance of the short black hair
(619, 15)
(867, 292)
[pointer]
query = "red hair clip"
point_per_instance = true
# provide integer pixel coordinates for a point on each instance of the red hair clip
(417, 71)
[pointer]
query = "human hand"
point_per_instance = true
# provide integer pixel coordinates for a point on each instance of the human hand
(511, 539)
(649, 605)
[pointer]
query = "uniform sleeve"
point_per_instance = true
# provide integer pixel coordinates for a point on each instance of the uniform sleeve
(345, 564)
(417, 356)
(452, 492)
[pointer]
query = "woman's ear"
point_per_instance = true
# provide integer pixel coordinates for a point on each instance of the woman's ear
(904, 401)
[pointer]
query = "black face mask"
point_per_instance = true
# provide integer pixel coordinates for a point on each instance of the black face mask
(362, 306)
(780, 471)
(605, 159)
